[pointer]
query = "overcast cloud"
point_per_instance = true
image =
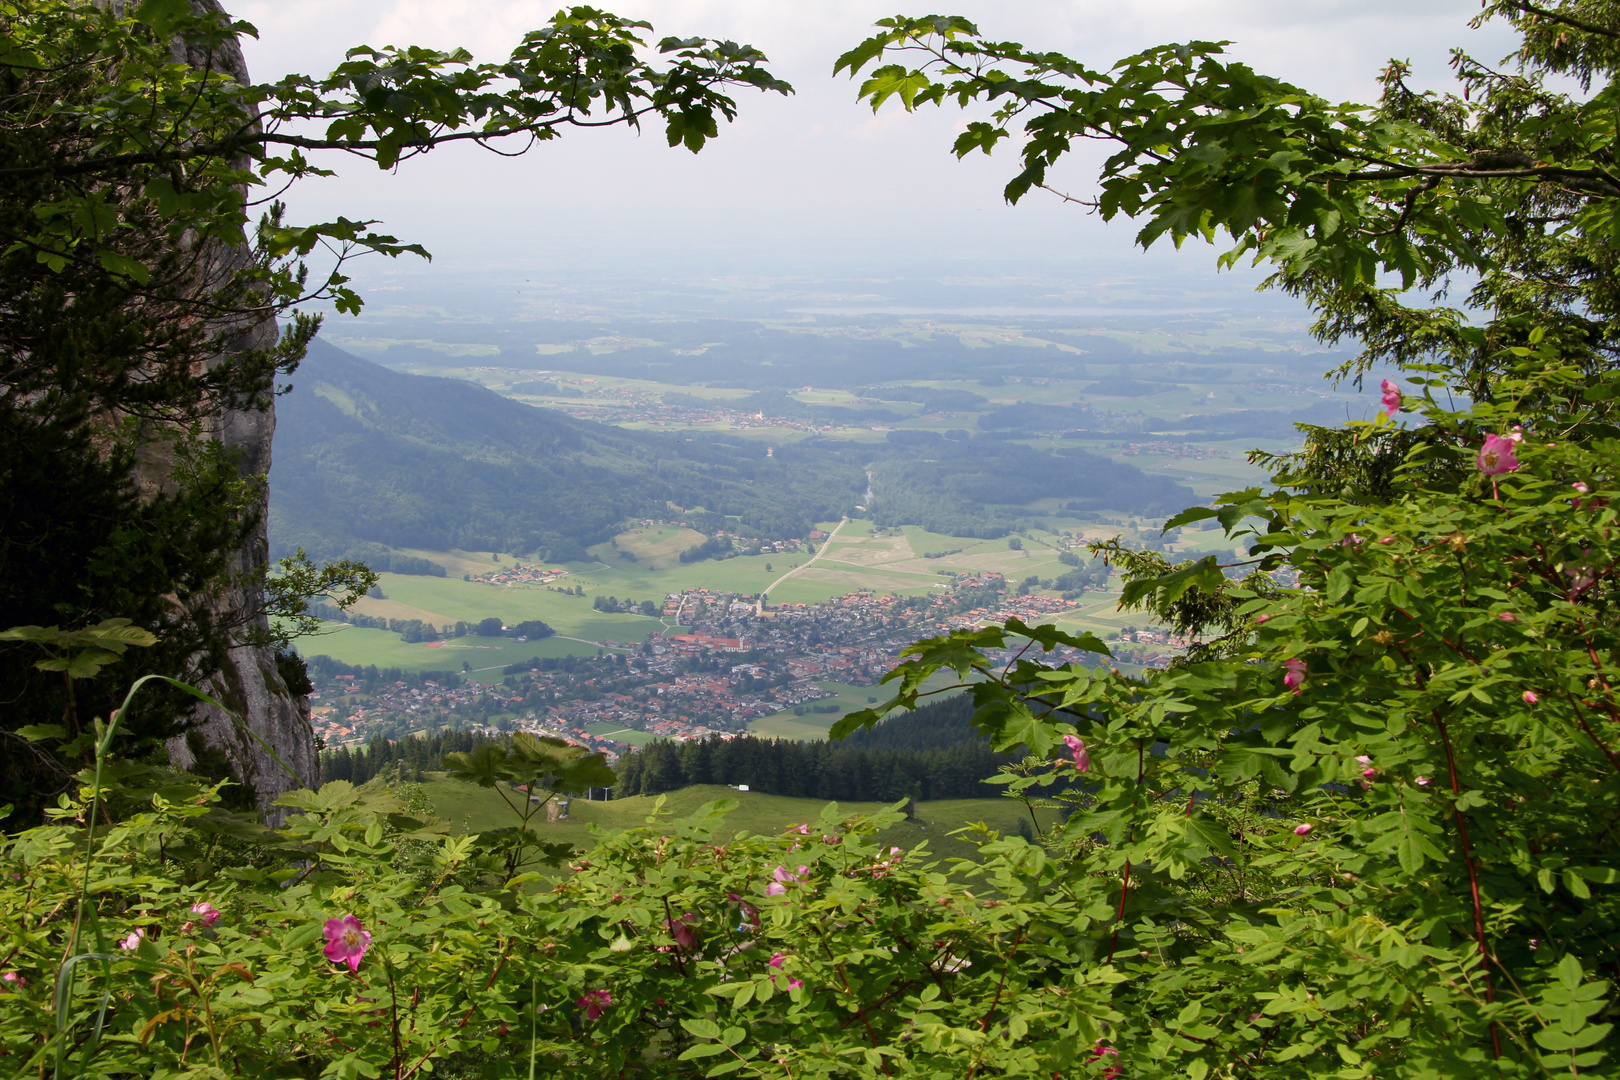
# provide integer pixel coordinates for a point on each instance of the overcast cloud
(808, 181)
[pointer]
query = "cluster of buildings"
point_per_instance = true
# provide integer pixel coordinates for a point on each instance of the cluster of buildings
(1032, 608)
(749, 545)
(1163, 448)
(518, 574)
(342, 711)
(734, 664)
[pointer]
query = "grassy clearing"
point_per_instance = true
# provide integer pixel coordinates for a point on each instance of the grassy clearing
(814, 726)
(469, 808)
(453, 600)
(621, 733)
(486, 656)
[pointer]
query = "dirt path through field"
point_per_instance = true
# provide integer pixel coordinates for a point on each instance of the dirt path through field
(808, 563)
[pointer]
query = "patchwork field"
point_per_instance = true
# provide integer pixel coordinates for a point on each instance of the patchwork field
(884, 561)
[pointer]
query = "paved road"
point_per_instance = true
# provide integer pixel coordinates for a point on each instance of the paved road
(825, 544)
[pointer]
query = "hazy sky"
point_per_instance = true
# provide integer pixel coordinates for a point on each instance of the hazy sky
(812, 181)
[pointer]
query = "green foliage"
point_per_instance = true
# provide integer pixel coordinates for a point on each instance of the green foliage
(297, 582)
(538, 769)
(661, 949)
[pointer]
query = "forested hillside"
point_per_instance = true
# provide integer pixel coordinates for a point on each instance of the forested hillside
(979, 486)
(932, 753)
(368, 454)
(941, 723)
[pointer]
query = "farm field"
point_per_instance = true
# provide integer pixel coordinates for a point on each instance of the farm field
(621, 733)
(485, 657)
(469, 808)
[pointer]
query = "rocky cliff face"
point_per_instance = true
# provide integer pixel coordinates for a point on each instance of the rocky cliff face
(248, 685)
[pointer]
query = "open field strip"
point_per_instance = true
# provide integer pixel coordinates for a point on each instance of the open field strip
(470, 808)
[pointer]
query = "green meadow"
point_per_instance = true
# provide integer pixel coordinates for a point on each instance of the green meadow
(483, 656)
(813, 726)
(469, 808)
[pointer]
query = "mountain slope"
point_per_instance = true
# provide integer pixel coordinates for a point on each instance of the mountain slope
(363, 453)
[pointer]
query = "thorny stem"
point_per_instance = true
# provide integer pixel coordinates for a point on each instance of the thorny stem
(1473, 878)
(393, 1013)
(1119, 917)
(860, 1010)
(984, 1025)
(1580, 718)
(493, 975)
(1597, 664)
(1125, 875)
(1467, 852)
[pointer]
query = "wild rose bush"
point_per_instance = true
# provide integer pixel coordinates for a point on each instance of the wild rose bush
(1368, 828)
(664, 951)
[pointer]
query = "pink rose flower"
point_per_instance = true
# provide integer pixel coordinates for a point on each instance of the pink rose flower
(1303, 830)
(594, 1002)
(1508, 616)
(681, 930)
(1077, 746)
(13, 979)
(1424, 781)
(1295, 678)
(346, 941)
(1386, 539)
(1391, 398)
(206, 912)
(133, 941)
(1530, 697)
(1496, 456)
(1258, 619)
(785, 877)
